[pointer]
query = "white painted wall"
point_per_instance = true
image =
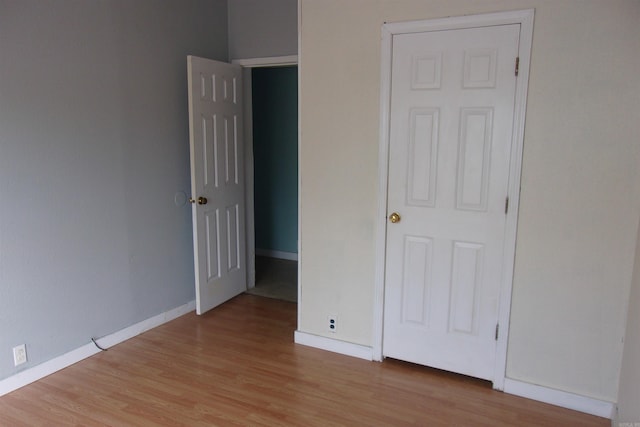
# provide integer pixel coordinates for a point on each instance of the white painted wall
(262, 28)
(93, 146)
(580, 201)
(629, 392)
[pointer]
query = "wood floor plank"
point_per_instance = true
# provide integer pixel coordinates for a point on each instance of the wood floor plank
(238, 366)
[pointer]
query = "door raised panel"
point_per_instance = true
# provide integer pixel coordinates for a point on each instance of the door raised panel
(208, 87)
(480, 68)
(418, 254)
(209, 151)
(226, 90)
(233, 237)
(231, 150)
(466, 281)
(426, 71)
(234, 90)
(212, 223)
(423, 157)
(474, 155)
(229, 89)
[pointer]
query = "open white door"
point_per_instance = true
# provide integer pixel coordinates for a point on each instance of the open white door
(217, 181)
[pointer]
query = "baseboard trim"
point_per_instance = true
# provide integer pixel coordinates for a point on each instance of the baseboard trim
(588, 405)
(291, 256)
(333, 345)
(44, 369)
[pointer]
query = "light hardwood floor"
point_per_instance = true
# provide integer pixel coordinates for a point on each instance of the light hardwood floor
(237, 365)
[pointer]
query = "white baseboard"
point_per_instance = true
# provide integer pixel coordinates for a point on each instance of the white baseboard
(277, 254)
(333, 345)
(42, 370)
(563, 399)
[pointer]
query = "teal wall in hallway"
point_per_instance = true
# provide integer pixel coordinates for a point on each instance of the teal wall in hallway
(275, 148)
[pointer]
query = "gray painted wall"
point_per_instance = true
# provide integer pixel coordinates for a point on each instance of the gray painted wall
(629, 391)
(93, 148)
(262, 28)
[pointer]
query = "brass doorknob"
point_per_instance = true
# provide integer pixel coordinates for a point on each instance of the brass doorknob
(201, 200)
(394, 217)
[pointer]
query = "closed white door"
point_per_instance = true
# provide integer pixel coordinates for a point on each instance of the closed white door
(450, 133)
(217, 181)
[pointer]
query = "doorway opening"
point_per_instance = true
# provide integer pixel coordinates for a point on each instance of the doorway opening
(271, 164)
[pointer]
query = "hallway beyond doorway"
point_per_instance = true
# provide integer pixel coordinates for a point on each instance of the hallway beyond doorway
(276, 278)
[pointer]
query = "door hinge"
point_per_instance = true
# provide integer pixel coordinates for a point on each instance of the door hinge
(517, 65)
(497, 330)
(506, 205)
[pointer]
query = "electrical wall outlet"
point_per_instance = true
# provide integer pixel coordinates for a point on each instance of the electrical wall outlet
(332, 323)
(19, 355)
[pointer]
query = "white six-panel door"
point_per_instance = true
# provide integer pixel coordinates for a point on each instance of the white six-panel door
(217, 180)
(450, 133)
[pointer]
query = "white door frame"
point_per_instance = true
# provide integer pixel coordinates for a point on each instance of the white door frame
(525, 19)
(247, 65)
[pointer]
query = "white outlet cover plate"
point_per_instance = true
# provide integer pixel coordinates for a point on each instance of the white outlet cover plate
(332, 320)
(19, 354)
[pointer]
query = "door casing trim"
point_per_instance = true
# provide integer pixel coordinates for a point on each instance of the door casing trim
(525, 19)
